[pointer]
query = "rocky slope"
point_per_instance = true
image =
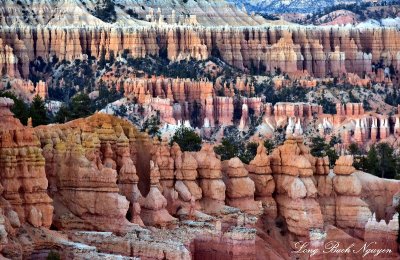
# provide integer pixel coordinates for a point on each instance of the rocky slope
(287, 6)
(123, 12)
(298, 6)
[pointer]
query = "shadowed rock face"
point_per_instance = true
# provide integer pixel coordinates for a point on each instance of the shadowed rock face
(85, 175)
(293, 49)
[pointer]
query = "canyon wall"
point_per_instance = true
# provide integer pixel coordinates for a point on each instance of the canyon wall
(317, 50)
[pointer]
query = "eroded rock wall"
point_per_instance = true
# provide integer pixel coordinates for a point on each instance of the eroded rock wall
(317, 50)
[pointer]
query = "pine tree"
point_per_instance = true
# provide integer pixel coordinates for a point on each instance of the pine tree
(187, 139)
(112, 57)
(38, 111)
(80, 106)
(102, 61)
(63, 115)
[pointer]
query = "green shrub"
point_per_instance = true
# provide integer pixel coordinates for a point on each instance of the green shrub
(53, 255)
(105, 10)
(187, 139)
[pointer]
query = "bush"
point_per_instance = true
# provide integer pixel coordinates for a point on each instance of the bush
(233, 145)
(291, 94)
(121, 111)
(269, 145)
(152, 125)
(319, 148)
(381, 160)
(105, 10)
(53, 255)
(187, 139)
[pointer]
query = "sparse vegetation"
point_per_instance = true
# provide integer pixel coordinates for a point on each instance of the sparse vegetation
(362, 10)
(233, 145)
(320, 148)
(152, 125)
(381, 160)
(105, 10)
(187, 139)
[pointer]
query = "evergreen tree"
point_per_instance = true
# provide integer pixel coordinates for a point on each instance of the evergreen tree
(387, 162)
(269, 145)
(317, 146)
(122, 111)
(231, 147)
(380, 161)
(80, 106)
(187, 139)
(63, 115)
(152, 125)
(249, 153)
(105, 10)
(38, 111)
(371, 163)
(354, 149)
(227, 149)
(320, 148)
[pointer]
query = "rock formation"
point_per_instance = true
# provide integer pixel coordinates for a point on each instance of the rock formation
(324, 184)
(293, 49)
(352, 213)
(293, 171)
(23, 177)
(260, 172)
(239, 187)
(82, 180)
(154, 205)
(85, 186)
(186, 176)
(210, 175)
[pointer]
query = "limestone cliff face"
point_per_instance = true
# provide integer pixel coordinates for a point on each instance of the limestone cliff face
(317, 50)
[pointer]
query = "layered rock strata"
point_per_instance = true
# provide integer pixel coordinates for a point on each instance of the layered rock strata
(154, 212)
(23, 177)
(296, 192)
(317, 50)
(352, 213)
(211, 183)
(324, 184)
(261, 173)
(239, 187)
